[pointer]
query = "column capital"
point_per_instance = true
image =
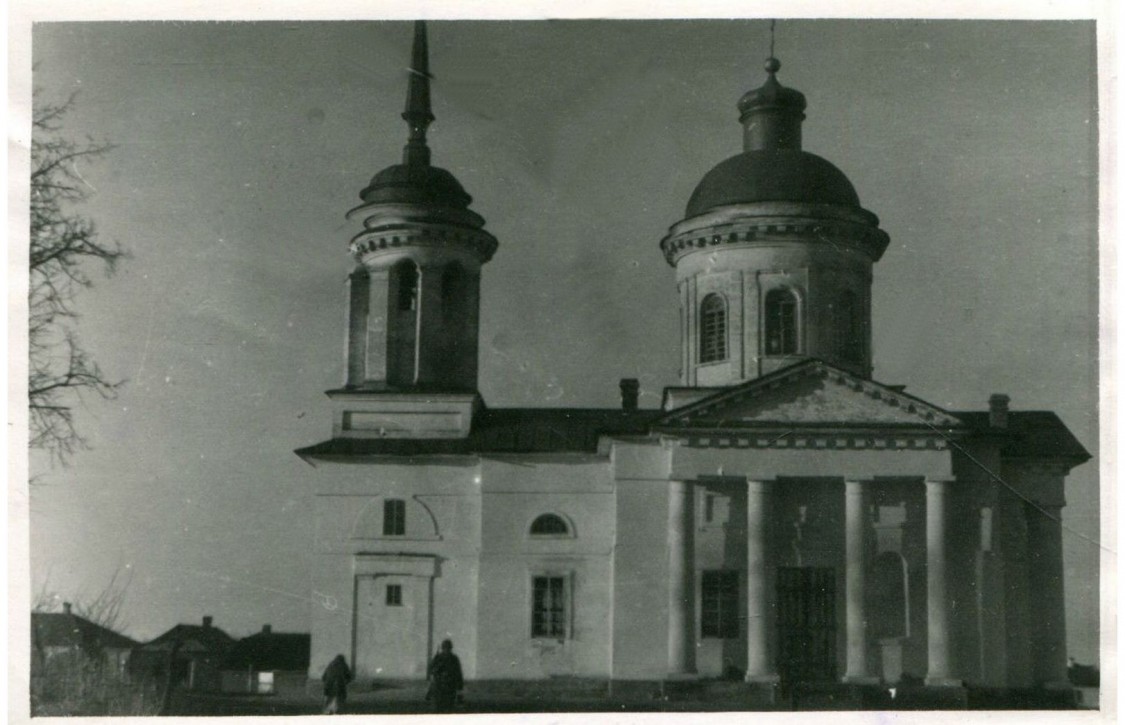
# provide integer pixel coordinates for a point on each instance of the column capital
(940, 479)
(759, 485)
(938, 486)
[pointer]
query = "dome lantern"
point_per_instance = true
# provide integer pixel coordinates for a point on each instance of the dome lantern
(771, 115)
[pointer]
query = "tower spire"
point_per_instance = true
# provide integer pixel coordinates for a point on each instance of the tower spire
(418, 115)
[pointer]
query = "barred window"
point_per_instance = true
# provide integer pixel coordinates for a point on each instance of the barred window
(720, 604)
(394, 517)
(394, 595)
(781, 322)
(548, 607)
(712, 329)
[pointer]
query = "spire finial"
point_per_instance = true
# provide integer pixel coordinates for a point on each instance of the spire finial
(417, 114)
(773, 65)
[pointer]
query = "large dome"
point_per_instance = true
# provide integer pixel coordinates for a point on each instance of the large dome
(417, 184)
(772, 175)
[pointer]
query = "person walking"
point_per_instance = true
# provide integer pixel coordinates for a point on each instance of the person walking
(336, 678)
(445, 678)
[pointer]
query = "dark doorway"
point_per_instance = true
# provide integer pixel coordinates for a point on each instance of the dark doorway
(806, 623)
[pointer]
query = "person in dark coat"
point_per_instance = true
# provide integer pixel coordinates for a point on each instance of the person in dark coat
(445, 678)
(336, 678)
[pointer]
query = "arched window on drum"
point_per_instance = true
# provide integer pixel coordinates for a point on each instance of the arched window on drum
(782, 335)
(713, 329)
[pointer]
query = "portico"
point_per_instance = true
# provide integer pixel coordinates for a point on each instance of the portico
(808, 493)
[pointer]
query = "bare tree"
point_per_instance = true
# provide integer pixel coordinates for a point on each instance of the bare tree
(63, 243)
(103, 608)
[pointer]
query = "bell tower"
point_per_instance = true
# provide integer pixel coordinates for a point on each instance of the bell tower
(414, 296)
(773, 258)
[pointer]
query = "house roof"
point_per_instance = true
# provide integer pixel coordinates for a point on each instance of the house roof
(1032, 434)
(191, 638)
(811, 394)
(505, 430)
(59, 629)
(269, 651)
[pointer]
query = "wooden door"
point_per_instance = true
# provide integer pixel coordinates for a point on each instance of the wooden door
(806, 621)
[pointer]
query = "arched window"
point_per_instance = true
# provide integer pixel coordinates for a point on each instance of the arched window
(452, 292)
(849, 330)
(406, 281)
(549, 525)
(712, 329)
(781, 322)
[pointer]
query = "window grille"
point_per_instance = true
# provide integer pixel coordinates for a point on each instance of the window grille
(548, 607)
(720, 604)
(549, 525)
(712, 329)
(394, 517)
(781, 323)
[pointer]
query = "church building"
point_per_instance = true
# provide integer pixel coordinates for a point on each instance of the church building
(782, 517)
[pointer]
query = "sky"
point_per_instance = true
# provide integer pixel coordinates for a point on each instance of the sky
(240, 146)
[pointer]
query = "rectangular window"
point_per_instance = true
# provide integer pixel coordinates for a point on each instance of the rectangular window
(720, 604)
(548, 607)
(394, 595)
(394, 517)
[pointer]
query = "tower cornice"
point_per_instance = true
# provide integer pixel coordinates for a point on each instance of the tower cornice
(776, 222)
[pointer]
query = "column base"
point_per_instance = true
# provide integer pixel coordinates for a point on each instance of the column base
(943, 682)
(681, 676)
(762, 679)
(860, 680)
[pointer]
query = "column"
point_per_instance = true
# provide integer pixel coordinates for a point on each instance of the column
(937, 599)
(759, 598)
(681, 578)
(1045, 582)
(855, 568)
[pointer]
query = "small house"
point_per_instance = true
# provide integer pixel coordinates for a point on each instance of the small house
(190, 654)
(55, 635)
(267, 663)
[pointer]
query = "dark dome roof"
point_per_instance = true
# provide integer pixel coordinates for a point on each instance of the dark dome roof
(417, 184)
(772, 175)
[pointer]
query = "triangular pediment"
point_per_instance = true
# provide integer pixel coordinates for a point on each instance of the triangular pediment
(809, 394)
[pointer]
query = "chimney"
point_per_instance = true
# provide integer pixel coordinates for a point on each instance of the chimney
(998, 410)
(66, 607)
(207, 621)
(630, 389)
(266, 629)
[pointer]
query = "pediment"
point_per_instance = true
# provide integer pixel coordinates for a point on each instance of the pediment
(809, 394)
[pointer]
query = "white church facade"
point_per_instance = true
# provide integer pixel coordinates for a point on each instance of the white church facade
(782, 517)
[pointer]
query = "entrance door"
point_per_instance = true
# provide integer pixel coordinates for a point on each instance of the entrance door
(392, 627)
(806, 619)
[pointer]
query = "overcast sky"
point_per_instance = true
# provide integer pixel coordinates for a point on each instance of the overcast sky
(240, 147)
